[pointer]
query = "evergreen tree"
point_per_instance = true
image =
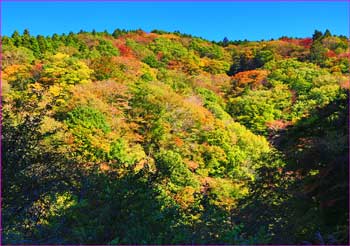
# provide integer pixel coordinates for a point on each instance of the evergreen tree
(17, 40)
(317, 35)
(327, 34)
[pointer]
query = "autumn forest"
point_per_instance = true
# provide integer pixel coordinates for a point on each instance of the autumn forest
(135, 137)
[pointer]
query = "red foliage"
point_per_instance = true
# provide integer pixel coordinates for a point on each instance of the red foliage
(306, 42)
(159, 56)
(291, 41)
(125, 50)
(37, 69)
(331, 53)
(173, 64)
(38, 66)
(285, 39)
(344, 55)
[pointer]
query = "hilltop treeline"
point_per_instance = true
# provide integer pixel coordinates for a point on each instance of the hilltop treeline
(166, 138)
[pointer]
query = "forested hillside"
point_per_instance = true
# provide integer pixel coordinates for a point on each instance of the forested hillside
(165, 138)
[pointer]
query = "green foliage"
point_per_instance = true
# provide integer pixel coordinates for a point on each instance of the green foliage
(152, 61)
(318, 53)
(13, 55)
(121, 152)
(263, 56)
(255, 109)
(298, 75)
(178, 81)
(216, 67)
(206, 50)
(88, 125)
(118, 32)
(106, 48)
(214, 103)
(104, 68)
(170, 49)
(147, 77)
(170, 165)
(140, 50)
(89, 118)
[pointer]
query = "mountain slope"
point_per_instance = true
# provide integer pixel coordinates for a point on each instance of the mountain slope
(157, 138)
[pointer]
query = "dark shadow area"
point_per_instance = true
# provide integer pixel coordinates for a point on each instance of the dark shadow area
(307, 200)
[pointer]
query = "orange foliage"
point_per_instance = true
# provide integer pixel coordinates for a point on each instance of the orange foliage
(251, 77)
(171, 36)
(69, 139)
(278, 124)
(14, 72)
(130, 66)
(345, 83)
(174, 64)
(178, 142)
(192, 165)
(185, 198)
(218, 83)
(206, 184)
(97, 92)
(141, 37)
(105, 167)
(89, 40)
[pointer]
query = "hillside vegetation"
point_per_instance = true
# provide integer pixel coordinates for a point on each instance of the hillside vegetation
(165, 138)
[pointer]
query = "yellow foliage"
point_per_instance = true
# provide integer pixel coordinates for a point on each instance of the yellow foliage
(185, 197)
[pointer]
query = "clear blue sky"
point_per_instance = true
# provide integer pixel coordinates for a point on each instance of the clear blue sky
(211, 20)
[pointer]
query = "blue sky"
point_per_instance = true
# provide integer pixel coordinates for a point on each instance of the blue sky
(210, 20)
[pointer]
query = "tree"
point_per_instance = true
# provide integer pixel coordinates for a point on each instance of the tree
(327, 34)
(225, 42)
(17, 40)
(251, 79)
(317, 35)
(23, 154)
(60, 69)
(16, 55)
(318, 53)
(26, 39)
(44, 44)
(118, 32)
(262, 57)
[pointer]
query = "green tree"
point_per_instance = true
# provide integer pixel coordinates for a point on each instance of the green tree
(17, 40)
(318, 53)
(317, 35)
